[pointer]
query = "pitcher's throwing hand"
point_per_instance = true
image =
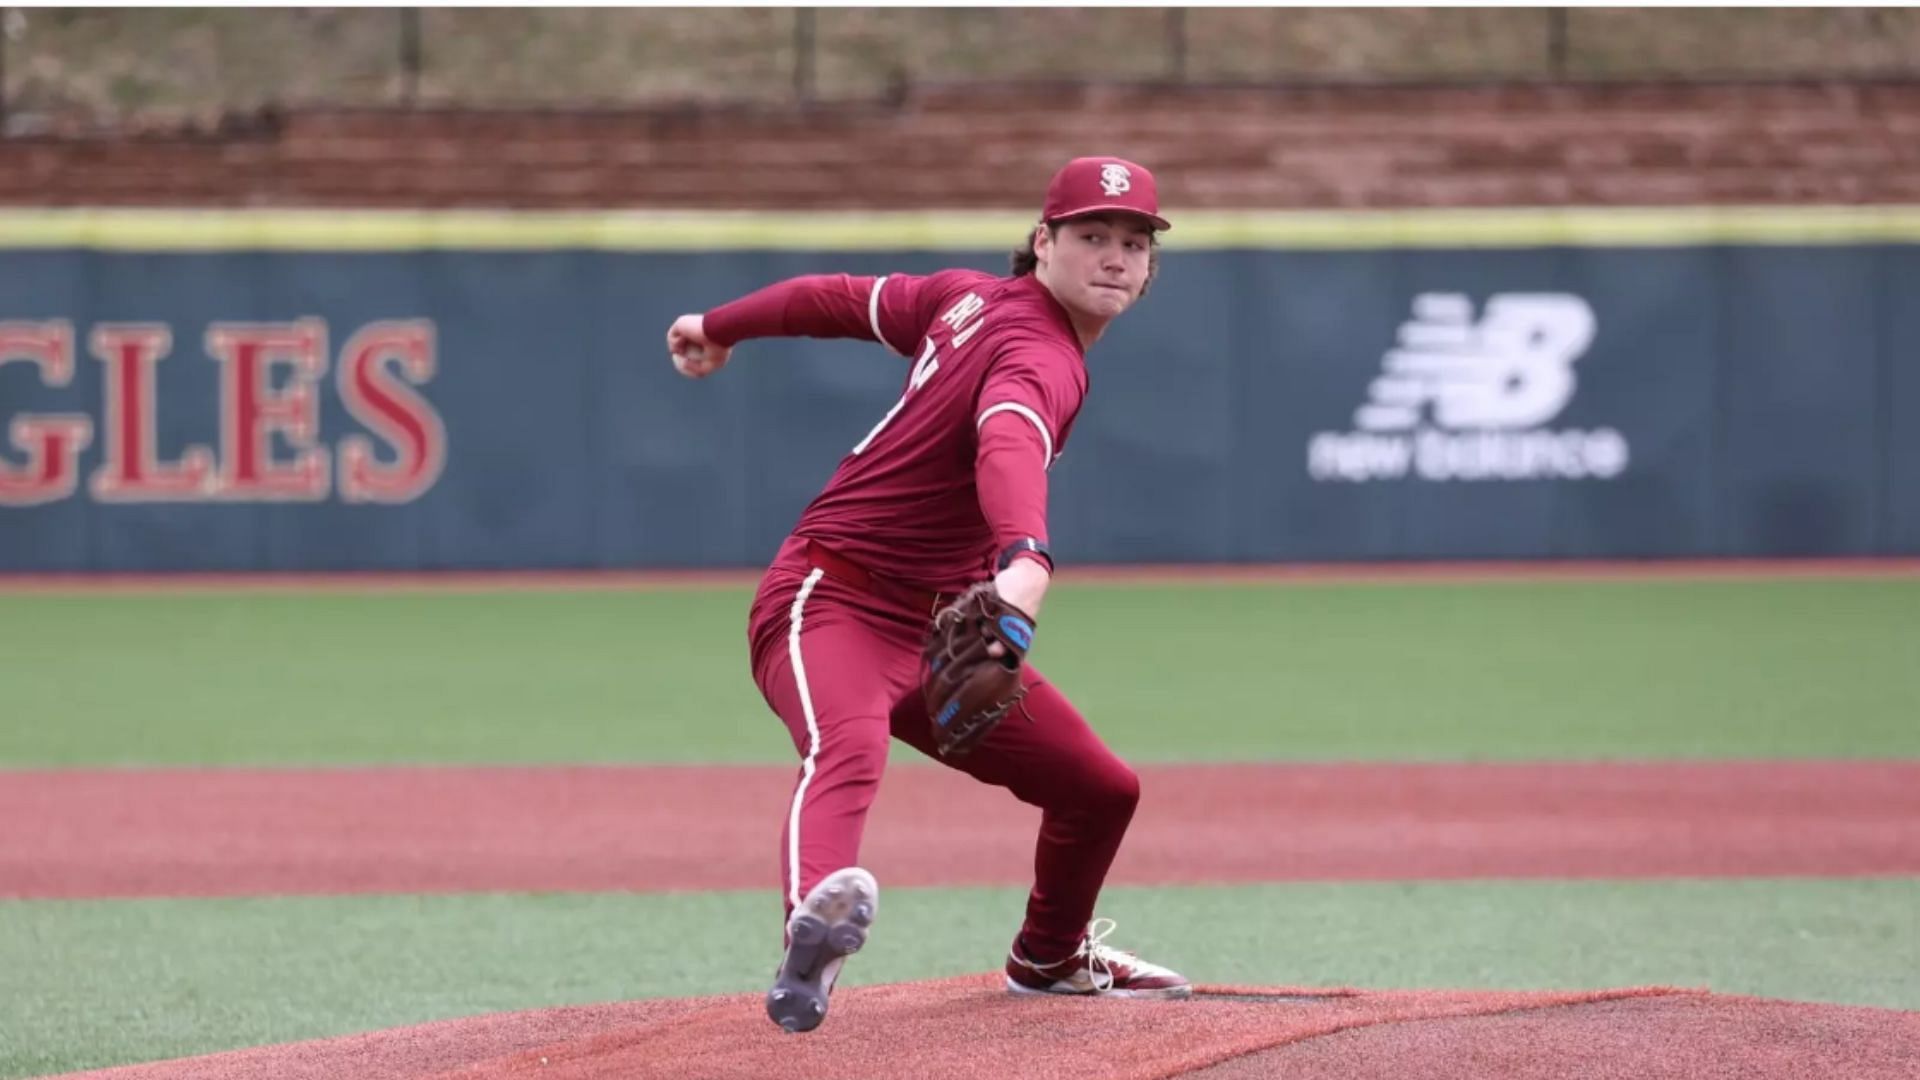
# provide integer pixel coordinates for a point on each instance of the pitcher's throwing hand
(694, 354)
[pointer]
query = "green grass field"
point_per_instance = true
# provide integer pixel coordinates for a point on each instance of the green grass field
(1628, 670)
(1430, 672)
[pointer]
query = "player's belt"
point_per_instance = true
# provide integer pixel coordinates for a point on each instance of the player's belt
(847, 572)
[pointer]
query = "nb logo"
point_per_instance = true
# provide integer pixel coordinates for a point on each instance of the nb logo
(1460, 399)
(1512, 369)
(1115, 180)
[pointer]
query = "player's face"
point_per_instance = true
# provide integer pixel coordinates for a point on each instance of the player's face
(1097, 265)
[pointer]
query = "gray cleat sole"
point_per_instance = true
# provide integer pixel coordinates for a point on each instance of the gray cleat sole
(830, 924)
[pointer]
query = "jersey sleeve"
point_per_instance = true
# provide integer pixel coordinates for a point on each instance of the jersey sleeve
(894, 309)
(815, 305)
(1038, 383)
(1025, 406)
(1010, 475)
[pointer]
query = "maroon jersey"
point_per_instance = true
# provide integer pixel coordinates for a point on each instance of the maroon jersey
(905, 502)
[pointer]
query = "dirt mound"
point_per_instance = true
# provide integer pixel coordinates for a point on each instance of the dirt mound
(969, 1027)
(1670, 1037)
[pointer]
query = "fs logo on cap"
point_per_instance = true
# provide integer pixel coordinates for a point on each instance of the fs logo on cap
(1098, 185)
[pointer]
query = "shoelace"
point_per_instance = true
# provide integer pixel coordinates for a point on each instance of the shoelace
(1100, 956)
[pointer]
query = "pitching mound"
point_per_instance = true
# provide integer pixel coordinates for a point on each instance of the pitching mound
(970, 1027)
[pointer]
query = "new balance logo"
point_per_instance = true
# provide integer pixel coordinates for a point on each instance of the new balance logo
(1465, 399)
(1514, 368)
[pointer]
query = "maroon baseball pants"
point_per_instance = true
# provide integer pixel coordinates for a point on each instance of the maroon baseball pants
(840, 665)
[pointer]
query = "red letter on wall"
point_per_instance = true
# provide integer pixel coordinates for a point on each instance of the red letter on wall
(378, 398)
(251, 410)
(133, 471)
(52, 441)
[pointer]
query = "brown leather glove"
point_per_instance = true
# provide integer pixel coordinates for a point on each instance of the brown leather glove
(968, 690)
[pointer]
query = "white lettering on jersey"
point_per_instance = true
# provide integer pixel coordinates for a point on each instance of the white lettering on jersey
(923, 370)
(957, 315)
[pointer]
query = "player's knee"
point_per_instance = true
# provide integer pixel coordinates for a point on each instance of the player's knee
(1114, 789)
(856, 751)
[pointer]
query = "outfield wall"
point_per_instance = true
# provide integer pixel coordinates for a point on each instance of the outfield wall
(313, 390)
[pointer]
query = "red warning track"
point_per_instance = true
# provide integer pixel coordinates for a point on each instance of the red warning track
(118, 833)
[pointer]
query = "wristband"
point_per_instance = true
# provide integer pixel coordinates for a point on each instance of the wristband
(1021, 546)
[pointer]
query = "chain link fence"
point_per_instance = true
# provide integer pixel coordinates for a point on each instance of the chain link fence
(130, 66)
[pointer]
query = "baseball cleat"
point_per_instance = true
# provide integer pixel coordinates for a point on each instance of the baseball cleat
(829, 925)
(1095, 970)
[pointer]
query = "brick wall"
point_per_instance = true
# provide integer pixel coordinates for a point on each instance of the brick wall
(1631, 144)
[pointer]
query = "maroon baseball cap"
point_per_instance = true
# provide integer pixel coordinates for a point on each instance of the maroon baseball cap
(1093, 185)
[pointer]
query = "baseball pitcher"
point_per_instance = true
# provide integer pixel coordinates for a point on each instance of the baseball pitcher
(905, 601)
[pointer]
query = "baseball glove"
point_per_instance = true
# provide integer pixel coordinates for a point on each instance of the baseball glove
(968, 690)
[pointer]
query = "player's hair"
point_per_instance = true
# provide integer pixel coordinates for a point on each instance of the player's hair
(1024, 259)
